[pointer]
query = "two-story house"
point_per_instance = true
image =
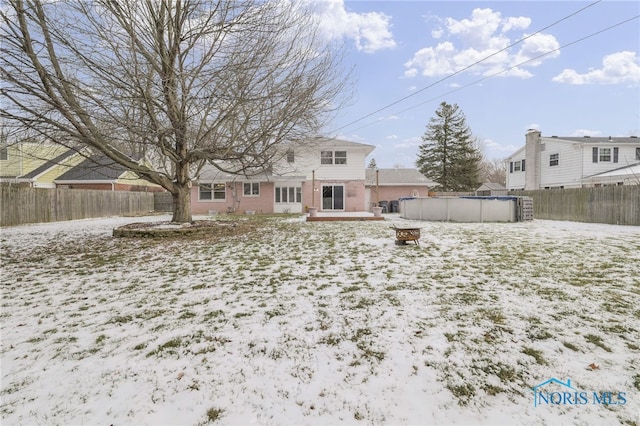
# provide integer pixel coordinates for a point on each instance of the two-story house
(328, 174)
(36, 164)
(547, 162)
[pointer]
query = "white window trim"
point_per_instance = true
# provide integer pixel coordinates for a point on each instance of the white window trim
(213, 199)
(251, 195)
(601, 153)
(297, 191)
(333, 160)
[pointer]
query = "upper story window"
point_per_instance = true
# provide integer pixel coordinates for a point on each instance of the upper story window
(251, 189)
(333, 157)
(4, 153)
(216, 191)
(637, 153)
(516, 166)
(290, 156)
(554, 159)
(604, 155)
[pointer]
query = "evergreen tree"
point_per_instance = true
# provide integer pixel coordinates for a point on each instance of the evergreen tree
(448, 154)
(372, 164)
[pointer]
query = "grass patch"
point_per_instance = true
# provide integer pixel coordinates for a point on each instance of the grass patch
(535, 354)
(597, 340)
(168, 347)
(571, 346)
(463, 392)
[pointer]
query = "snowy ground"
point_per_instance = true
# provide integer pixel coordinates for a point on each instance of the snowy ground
(319, 323)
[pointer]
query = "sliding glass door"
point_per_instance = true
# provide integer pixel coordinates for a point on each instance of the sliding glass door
(332, 197)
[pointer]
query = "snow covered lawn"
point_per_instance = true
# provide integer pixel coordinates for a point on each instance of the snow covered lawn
(320, 323)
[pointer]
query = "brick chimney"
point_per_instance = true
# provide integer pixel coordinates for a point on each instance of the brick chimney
(532, 164)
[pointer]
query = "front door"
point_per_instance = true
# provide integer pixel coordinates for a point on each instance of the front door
(332, 197)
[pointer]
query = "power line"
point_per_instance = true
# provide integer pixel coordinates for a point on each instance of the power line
(500, 72)
(467, 67)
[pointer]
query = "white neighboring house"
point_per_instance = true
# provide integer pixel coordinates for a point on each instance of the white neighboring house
(547, 162)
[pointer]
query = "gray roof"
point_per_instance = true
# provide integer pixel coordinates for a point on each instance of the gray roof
(210, 173)
(397, 177)
(94, 168)
(492, 186)
(598, 139)
(632, 170)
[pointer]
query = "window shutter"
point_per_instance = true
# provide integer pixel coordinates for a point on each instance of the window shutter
(511, 167)
(615, 154)
(594, 156)
(523, 165)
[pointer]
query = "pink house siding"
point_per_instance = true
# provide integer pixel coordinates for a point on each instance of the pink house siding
(262, 203)
(354, 194)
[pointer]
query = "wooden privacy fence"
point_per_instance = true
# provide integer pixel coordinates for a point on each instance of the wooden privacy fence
(619, 205)
(162, 201)
(32, 205)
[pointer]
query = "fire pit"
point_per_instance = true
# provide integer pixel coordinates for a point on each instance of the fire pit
(406, 234)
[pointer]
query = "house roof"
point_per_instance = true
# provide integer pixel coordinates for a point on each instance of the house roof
(598, 140)
(95, 168)
(49, 164)
(397, 177)
(631, 170)
(211, 174)
(585, 140)
(333, 143)
(491, 186)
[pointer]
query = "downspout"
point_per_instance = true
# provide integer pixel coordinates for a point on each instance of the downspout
(377, 187)
(313, 188)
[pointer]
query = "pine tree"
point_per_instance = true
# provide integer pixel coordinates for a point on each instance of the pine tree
(448, 154)
(372, 164)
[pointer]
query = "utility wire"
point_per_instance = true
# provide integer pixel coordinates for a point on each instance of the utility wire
(467, 67)
(497, 73)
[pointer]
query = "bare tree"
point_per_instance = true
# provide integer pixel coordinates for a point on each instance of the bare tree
(493, 170)
(183, 82)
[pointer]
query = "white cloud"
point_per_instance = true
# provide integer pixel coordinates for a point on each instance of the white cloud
(494, 147)
(370, 31)
(520, 23)
(535, 46)
(480, 38)
(617, 68)
(392, 137)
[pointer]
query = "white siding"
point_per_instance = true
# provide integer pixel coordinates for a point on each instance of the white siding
(307, 160)
(568, 172)
(516, 180)
(626, 157)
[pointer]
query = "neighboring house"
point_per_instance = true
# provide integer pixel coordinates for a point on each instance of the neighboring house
(36, 164)
(393, 184)
(101, 173)
(573, 162)
(491, 189)
(325, 173)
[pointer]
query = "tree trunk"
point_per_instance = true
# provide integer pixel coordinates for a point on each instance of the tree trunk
(182, 203)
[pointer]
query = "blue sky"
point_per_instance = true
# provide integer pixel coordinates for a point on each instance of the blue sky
(400, 48)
